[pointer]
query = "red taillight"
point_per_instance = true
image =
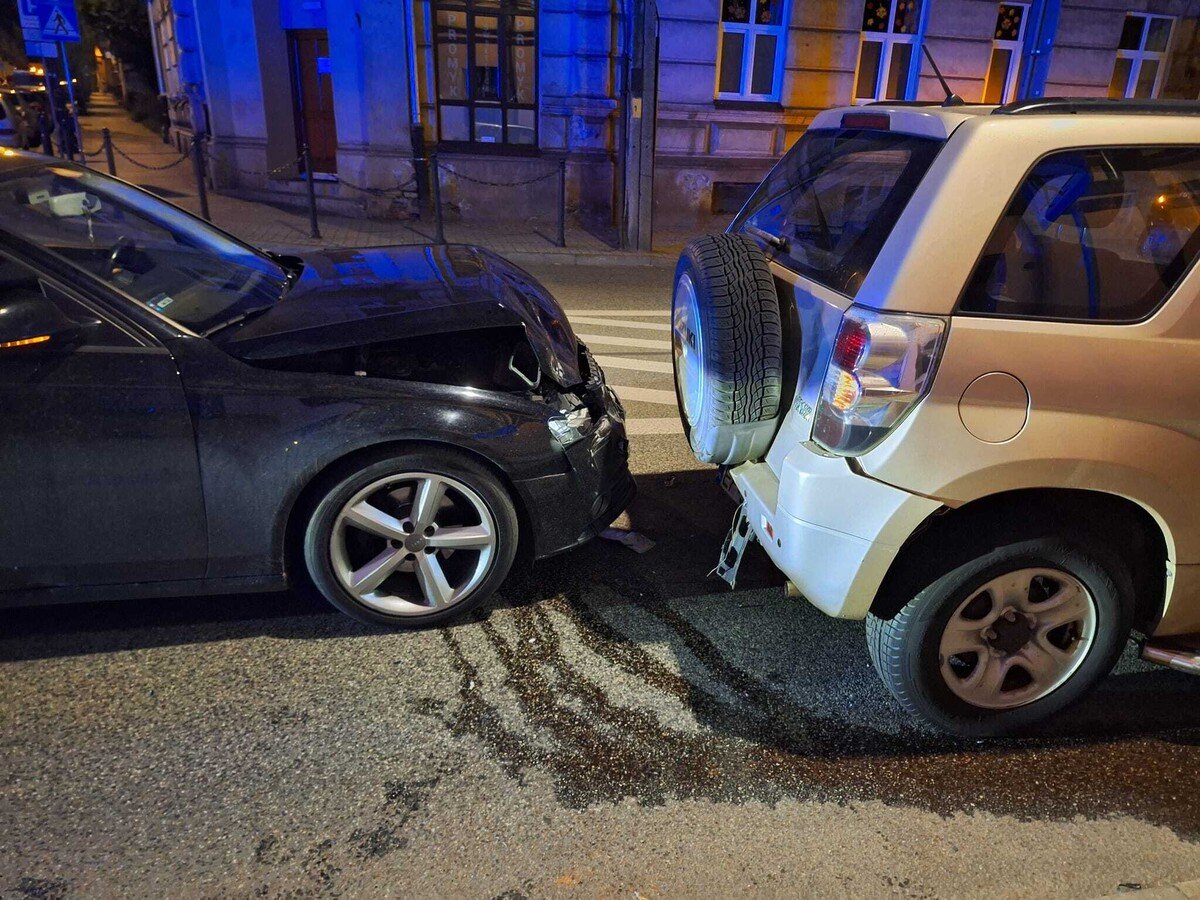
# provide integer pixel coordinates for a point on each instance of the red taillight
(868, 121)
(851, 346)
(880, 366)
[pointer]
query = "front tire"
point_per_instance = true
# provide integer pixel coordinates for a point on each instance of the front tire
(411, 540)
(1008, 640)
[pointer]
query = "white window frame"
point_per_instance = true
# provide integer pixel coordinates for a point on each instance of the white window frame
(751, 31)
(1141, 55)
(889, 39)
(1009, 93)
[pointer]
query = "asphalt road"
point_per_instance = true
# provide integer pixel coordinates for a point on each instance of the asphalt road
(614, 724)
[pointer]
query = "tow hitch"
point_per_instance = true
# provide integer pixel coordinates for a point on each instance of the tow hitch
(734, 548)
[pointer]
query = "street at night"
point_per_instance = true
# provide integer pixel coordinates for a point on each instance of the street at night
(613, 723)
(510, 449)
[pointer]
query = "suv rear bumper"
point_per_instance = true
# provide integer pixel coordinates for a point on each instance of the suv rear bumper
(832, 532)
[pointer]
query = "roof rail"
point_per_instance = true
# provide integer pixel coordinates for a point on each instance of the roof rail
(1098, 106)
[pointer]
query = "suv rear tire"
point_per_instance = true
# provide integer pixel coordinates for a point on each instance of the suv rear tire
(728, 349)
(930, 653)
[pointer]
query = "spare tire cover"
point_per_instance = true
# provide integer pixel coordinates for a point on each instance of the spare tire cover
(728, 354)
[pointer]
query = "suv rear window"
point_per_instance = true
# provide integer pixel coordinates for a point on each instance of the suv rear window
(835, 197)
(1093, 235)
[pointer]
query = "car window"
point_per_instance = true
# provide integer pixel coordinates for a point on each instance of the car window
(836, 196)
(1099, 235)
(173, 263)
(16, 277)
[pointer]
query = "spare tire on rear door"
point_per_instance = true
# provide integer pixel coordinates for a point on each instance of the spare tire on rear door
(727, 343)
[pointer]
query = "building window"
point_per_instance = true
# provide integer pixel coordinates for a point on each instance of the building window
(888, 49)
(486, 53)
(751, 55)
(1141, 56)
(1001, 84)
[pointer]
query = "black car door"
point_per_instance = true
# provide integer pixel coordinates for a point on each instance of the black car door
(99, 481)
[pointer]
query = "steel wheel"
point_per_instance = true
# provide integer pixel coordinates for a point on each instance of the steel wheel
(686, 345)
(413, 544)
(1017, 638)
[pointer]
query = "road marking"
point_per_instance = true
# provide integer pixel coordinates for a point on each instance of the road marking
(666, 425)
(616, 323)
(636, 365)
(645, 395)
(618, 312)
(630, 342)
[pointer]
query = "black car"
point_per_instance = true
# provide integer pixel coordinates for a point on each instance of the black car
(183, 414)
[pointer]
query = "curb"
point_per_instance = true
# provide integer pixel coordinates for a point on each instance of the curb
(609, 258)
(612, 258)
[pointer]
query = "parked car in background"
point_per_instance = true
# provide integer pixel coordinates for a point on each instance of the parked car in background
(10, 122)
(24, 107)
(949, 357)
(186, 414)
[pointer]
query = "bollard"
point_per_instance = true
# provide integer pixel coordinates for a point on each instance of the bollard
(435, 173)
(198, 165)
(108, 151)
(306, 157)
(562, 202)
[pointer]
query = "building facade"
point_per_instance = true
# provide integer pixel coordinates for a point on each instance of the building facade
(659, 109)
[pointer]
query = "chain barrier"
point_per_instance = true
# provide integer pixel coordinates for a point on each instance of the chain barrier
(149, 166)
(269, 174)
(480, 181)
(398, 189)
(202, 161)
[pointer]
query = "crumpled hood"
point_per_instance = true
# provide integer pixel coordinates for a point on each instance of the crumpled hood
(351, 298)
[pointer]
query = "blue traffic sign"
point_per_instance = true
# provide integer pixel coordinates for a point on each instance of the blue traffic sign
(49, 21)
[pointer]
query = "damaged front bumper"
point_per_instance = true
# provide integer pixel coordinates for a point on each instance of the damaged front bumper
(571, 508)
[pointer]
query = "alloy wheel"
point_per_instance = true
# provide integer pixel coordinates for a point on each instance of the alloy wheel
(413, 544)
(686, 345)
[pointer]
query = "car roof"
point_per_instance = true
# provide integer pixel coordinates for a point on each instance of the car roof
(933, 119)
(923, 119)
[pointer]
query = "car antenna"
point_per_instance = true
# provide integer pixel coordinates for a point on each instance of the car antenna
(952, 99)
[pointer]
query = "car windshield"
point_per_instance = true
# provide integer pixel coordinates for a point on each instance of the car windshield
(834, 199)
(164, 258)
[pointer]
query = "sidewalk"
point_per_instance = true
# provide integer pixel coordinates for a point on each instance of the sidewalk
(280, 227)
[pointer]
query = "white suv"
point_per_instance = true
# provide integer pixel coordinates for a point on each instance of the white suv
(950, 357)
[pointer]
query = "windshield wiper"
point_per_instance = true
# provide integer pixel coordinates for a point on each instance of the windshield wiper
(237, 320)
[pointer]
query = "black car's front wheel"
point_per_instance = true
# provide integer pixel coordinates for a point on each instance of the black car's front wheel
(413, 539)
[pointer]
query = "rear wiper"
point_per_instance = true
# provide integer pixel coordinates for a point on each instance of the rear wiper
(772, 240)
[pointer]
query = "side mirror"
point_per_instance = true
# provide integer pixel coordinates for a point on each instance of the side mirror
(28, 321)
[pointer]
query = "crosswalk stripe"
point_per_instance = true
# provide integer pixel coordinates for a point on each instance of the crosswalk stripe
(617, 323)
(618, 312)
(636, 365)
(665, 425)
(645, 395)
(630, 342)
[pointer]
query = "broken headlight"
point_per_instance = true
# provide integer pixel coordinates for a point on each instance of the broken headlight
(571, 427)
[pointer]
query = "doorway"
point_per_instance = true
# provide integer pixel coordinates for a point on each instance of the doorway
(312, 97)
